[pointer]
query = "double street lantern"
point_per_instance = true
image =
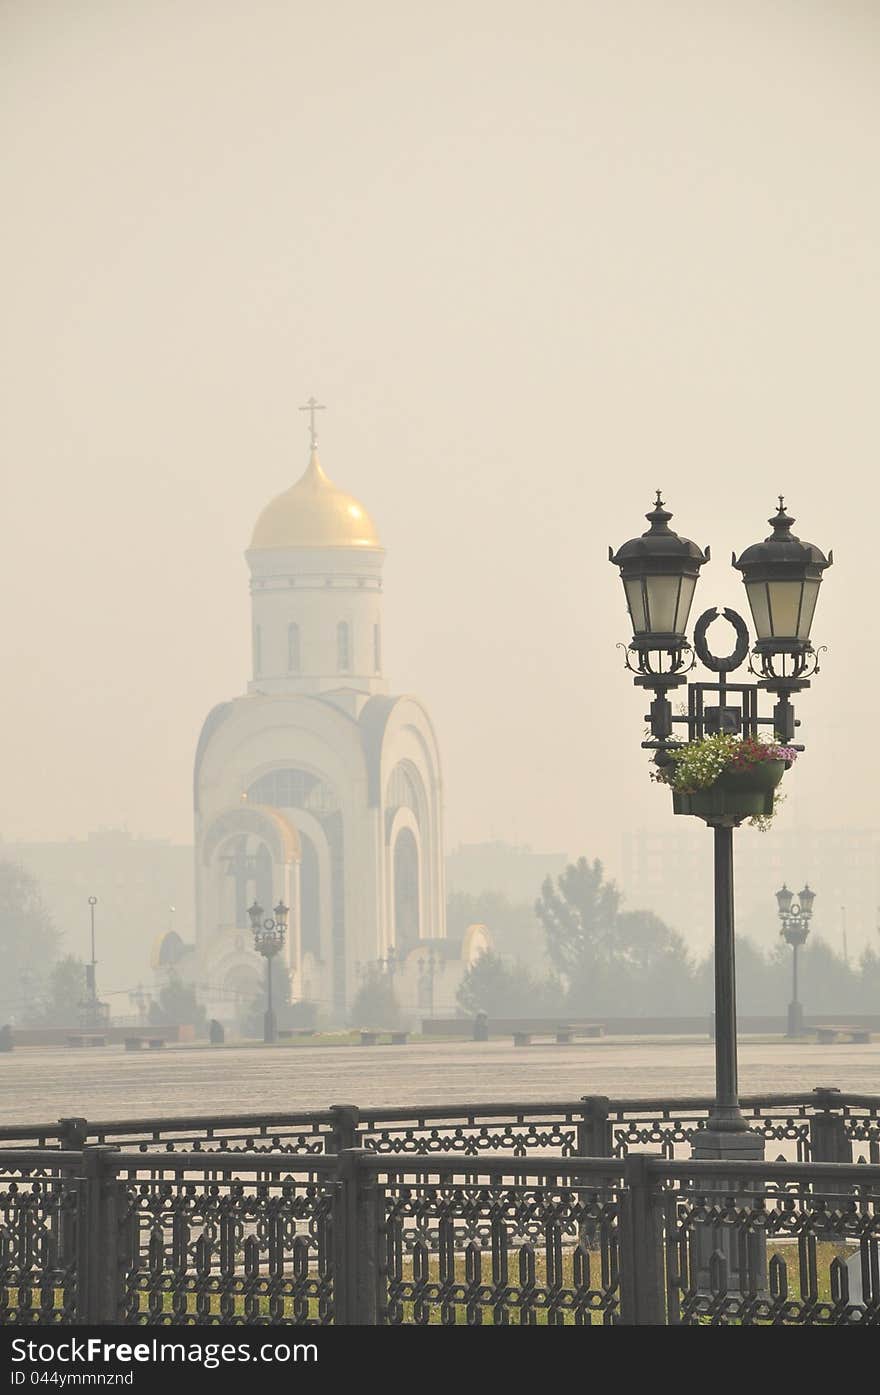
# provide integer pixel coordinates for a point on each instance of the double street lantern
(269, 936)
(719, 768)
(795, 915)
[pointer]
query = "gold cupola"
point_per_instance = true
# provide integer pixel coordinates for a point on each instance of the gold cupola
(314, 513)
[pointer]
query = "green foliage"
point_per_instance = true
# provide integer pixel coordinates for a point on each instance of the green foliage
(29, 941)
(699, 764)
(177, 1006)
(54, 1000)
(375, 1003)
(493, 986)
(613, 961)
(579, 914)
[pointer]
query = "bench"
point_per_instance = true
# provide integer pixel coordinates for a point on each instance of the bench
(135, 1043)
(827, 1036)
(565, 1034)
(394, 1038)
(86, 1040)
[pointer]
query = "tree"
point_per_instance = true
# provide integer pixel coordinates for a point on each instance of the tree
(493, 986)
(63, 990)
(375, 1003)
(579, 915)
(612, 961)
(177, 1005)
(29, 941)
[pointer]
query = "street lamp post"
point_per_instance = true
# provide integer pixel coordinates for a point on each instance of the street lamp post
(795, 914)
(94, 1012)
(659, 571)
(268, 940)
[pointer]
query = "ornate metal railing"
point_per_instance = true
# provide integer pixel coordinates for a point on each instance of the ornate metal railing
(818, 1125)
(94, 1236)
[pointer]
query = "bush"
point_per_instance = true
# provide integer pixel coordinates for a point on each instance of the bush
(375, 1003)
(499, 989)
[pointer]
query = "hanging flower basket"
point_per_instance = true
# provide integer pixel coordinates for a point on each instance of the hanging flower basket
(739, 794)
(727, 777)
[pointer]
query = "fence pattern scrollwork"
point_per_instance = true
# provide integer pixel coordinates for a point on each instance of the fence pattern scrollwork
(231, 1251)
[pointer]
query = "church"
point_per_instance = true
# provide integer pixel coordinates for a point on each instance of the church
(317, 786)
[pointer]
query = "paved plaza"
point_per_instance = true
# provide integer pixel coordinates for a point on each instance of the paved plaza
(41, 1084)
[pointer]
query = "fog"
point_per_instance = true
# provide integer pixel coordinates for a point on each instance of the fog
(537, 261)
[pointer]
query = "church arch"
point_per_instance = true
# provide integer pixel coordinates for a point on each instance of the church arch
(322, 879)
(407, 918)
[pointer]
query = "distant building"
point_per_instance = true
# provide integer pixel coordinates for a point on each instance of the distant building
(144, 889)
(316, 786)
(514, 872)
(671, 873)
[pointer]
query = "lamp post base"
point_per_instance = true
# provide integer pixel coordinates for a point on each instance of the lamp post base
(795, 1025)
(741, 1145)
(270, 1027)
(720, 1258)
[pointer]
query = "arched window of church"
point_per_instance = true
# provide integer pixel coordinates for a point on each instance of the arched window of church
(377, 649)
(258, 651)
(406, 891)
(294, 662)
(343, 646)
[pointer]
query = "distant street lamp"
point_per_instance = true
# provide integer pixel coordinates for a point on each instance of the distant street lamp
(795, 915)
(268, 940)
(782, 575)
(95, 1013)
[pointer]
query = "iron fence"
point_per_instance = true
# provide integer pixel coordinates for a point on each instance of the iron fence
(360, 1238)
(822, 1125)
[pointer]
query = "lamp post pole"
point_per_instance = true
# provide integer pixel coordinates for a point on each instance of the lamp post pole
(269, 935)
(795, 914)
(93, 1014)
(721, 772)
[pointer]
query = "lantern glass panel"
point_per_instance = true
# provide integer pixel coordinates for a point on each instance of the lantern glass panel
(785, 607)
(663, 593)
(635, 599)
(808, 606)
(757, 594)
(686, 596)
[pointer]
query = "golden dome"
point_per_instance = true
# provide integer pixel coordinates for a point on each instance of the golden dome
(314, 513)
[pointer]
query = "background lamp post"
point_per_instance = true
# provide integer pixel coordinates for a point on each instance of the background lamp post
(269, 937)
(795, 915)
(94, 1012)
(782, 575)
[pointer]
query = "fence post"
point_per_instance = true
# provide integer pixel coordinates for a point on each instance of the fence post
(642, 1295)
(74, 1132)
(594, 1128)
(344, 1129)
(356, 1242)
(828, 1140)
(97, 1257)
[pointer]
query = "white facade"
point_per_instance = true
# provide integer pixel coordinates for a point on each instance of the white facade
(316, 786)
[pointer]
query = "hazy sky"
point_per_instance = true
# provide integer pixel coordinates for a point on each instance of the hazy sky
(537, 260)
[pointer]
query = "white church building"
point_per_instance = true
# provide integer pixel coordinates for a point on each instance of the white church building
(317, 786)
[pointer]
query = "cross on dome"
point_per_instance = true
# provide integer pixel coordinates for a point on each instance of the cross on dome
(313, 406)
